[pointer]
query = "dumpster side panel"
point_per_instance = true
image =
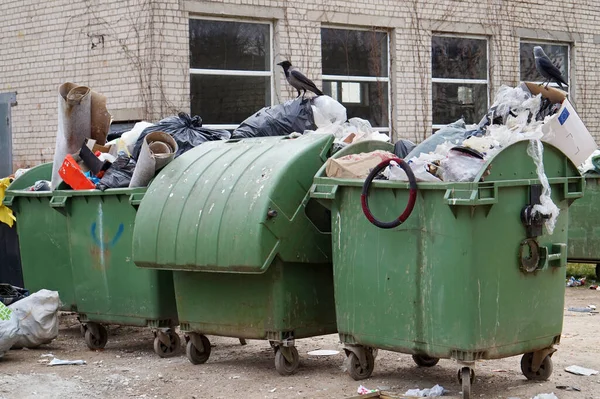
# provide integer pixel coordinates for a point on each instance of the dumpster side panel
(288, 297)
(108, 285)
(584, 224)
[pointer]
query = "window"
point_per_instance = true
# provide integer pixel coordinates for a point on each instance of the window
(230, 70)
(558, 54)
(459, 70)
(356, 73)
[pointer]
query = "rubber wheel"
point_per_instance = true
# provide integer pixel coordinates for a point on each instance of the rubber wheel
(93, 342)
(466, 374)
(282, 365)
(163, 350)
(425, 361)
(356, 371)
(598, 272)
(194, 355)
(542, 374)
(82, 330)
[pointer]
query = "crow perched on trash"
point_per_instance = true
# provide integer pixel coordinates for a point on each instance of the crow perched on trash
(547, 69)
(298, 80)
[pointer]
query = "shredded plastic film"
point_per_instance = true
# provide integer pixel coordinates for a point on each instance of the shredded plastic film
(547, 207)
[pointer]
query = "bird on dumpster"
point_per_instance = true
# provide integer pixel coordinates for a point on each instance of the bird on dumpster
(547, 69)
(298, 80)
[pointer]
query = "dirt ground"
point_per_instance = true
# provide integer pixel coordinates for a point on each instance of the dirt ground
(128, 367)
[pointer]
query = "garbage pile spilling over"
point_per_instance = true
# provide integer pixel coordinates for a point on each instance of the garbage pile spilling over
(84, 160)
(460, 153)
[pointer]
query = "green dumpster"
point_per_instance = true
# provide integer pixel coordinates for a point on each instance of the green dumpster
(584, 225)
(463, 277)
(109, 288)
(250, 252)
(43, 237)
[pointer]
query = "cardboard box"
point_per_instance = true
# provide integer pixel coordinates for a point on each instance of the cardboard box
(565, 129)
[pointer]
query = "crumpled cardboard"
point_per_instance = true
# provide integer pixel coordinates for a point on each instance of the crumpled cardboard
(356, 166)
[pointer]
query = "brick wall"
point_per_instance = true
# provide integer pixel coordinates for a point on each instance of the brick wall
(136, 52)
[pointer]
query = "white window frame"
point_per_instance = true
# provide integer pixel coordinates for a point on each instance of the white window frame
(567, 45)
(348, 78)
(237, 72)
(485, 81)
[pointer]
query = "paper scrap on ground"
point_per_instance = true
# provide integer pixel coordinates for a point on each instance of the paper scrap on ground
(546, 396)
(437, 390)
(58, 362)
(578, 370)
(363, 390)
(323, 352)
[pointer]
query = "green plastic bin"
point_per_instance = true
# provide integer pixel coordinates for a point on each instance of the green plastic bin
(250, 252)
(584, 225)
(109, 288)
(43, 237)
(456, 279)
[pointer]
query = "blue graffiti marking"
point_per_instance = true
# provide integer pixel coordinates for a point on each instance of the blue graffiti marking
(107, 245)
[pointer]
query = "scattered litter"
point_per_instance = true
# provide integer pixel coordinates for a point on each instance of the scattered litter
(47, 355)
(437, 390)
(587, 309)
(272, 390)
(595, 287)
(578, 370)
(574, 282)
(38, 319)
(499, 371)
(363, 390)
(323, 352)
(593, 307)
(546, 396)
(57, 362)
(568, 388)
(235, 377)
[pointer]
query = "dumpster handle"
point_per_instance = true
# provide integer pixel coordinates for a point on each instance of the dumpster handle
(364, 197)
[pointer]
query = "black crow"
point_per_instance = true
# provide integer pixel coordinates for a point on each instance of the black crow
(547, 69)
(298, 80)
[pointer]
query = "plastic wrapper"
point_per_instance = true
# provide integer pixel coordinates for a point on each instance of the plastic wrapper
(452, 134)
(9, 328)
(592, 164)
(435, 391)
(461, 167)
(186, 130)
(546, 207)
(119, 174)
(327, 111)
(38, 319)
(403, 147)
(278, 120)
(422, 168)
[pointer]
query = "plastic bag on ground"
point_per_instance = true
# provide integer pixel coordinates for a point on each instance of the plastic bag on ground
(278, 120)
(437, 390)
(186, 130)
(38, 319)
(547, 207)
(9, 328)
(119, 174)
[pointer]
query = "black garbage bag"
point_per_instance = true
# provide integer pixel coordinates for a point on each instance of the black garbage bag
(278, 120)
(10, 294)
(187, 132)
(118, 175)
(403, 147)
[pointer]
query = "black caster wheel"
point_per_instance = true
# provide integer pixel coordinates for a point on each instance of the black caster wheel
(95, 342)
(283, 365)
(170, 350)
(358, 372)
(425, 361)
(542, 374)
(196, 356)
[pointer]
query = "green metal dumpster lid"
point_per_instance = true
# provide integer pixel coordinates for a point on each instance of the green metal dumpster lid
(233, 206)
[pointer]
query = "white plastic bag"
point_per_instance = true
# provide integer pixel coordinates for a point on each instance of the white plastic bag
(37, 316)
(547, 207)
(460, 167)
(327, 111)
(9, 328)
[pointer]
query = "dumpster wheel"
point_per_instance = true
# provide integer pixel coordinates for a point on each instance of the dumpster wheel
(170, 349)
(96, 336)
(542, 374)
(356, 370)
(425, 361)
(466, 376)
(283, 365)
(194, 355)
(364, 196)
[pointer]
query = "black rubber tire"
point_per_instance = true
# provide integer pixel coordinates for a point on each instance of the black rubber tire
(542, 374)
(356, 371)
(99, 342)
(163, 350)
(466, 382)
(282, 365)
(425, 361)
(194, 355)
